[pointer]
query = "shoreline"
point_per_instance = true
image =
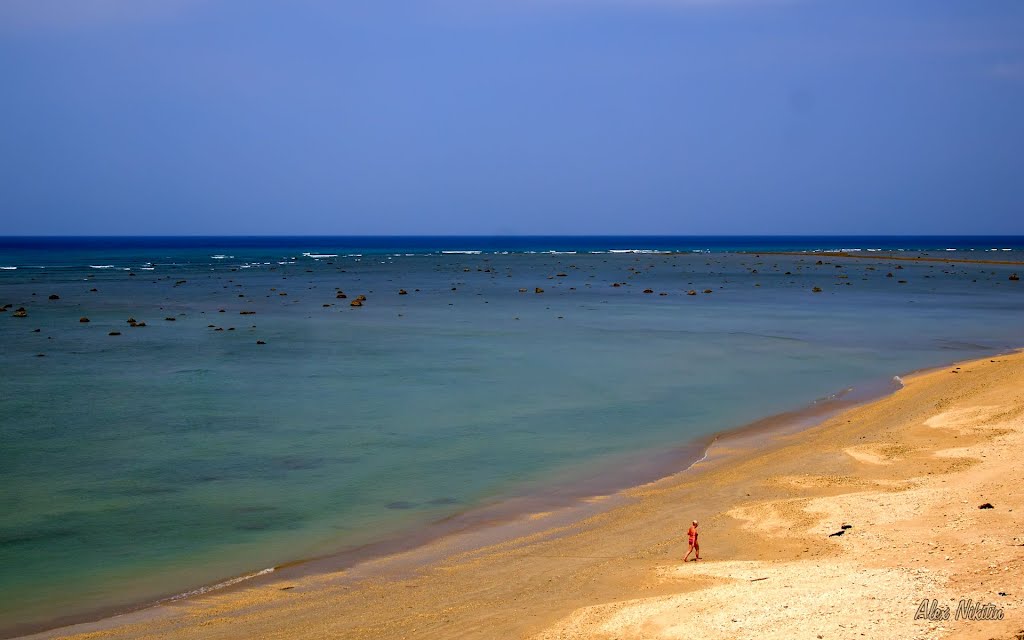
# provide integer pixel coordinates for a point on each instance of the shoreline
(381, 561)
(570, 497)
(923, 257)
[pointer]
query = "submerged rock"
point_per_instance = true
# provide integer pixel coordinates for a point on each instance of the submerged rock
(54, 296)
(20, 312)
(1014, 277)
(83, 319)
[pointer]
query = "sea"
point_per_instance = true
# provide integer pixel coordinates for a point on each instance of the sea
(177, 412)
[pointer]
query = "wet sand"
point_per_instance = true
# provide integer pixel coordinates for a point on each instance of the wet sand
(908, 472)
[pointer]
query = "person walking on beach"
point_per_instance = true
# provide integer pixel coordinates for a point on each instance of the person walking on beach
(694, 545)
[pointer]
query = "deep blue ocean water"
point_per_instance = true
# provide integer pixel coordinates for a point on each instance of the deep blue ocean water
(176, 454)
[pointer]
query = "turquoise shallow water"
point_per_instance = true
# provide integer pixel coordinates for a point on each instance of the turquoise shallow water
(174, 455)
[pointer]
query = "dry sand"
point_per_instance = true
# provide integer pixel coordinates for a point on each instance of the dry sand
(908, 472)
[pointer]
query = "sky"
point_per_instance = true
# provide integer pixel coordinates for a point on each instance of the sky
(208, 117)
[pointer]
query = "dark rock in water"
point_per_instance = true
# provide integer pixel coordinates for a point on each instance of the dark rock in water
(816, 289)
(114, 333)
(356, 303)
(691, 292)
(260, 342)
(538, 290)
(340, 296)
(403, 292)
(648, 290)
(1014, 277)
(139, 324)
(170, 319)
(401, 504)
(54, 296)
(707, 291)
(83, 319)
(20, 312)
(987, 505)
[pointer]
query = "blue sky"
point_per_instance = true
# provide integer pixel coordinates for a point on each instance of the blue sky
(511, 117)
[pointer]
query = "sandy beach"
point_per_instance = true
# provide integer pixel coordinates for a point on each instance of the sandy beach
(907, 473)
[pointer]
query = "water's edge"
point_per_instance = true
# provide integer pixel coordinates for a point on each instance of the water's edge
(485, 524)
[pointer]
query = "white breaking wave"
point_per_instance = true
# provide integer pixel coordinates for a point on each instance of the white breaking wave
(220, 585)
(320, 255)
(470, 253)
(8, 268)
(102, 266)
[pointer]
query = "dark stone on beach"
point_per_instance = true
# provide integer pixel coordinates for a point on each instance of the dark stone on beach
(246, 313)
(846, 526)
(36, 330)
(114, 333)
(837, 533)
(54, 296)
(987, 505)
(20, 312)
(221, 310)
(522, 291)
(93, 290)
(819, 262)
(131, 320)
(83, 319)
(889, 275)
